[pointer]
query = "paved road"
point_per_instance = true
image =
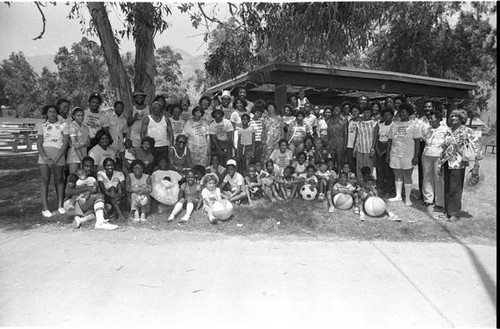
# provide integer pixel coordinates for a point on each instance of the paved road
(139, 277)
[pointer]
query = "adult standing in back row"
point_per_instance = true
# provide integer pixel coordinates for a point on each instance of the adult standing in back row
(158, 127)
(139, 111)
(94, 119)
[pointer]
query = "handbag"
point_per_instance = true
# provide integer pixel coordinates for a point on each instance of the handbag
(468, 152)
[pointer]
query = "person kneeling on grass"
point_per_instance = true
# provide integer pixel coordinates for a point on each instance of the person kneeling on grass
(210, 194)
(90, 207)
(233, 185)
(139, 186)
(190, 195)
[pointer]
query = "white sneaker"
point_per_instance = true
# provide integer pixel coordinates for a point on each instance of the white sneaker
(409, 203)
(362, 217)
(394, 218)
(77, 221)
(143, 217)
(106, 226)
(61, 211)
(136, 217)
(46, 213)
(184, 219)
(170, 218)
(395, 199)
(321, 197)
(212, 219)
(331, 209)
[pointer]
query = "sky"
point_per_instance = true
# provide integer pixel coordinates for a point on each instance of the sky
(21, 22)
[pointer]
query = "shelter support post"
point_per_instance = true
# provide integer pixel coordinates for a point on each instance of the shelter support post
(280, 96)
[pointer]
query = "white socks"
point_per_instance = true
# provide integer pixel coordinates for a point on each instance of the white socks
(399, 189)
(189, 210)
(100, 222)
(408, 194)
(177, 209)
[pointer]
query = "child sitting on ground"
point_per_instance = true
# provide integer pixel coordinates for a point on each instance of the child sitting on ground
(127, 156)
(351, 177)
(300, 164)
(369, 189)
(288, 184)
(233, 184)
(253, 185)
(216, 168)
(342, 186)
(190, 195)
(83, 180)
(309, 177)
(210, 194)
(324, 176)
(269, 182)
(282, 156)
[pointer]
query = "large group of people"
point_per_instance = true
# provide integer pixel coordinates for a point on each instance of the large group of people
(105, 165)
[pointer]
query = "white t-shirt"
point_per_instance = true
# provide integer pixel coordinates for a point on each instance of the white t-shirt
(220, 129)
(402, 134)
(212, 196)
(245, 135)
(117, 127)
(309, 180)
(196, 132)
(117, 177)
(89, 182)
(348, 188)
(281, 159)
(177, 126)
(351, 133)
(95, 121)
(383, 131)
(53, 133)
(434, 139)
(99, 155)
(235, 181)
(322, 127)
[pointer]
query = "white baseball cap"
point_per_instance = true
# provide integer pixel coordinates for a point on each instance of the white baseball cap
(231, 162)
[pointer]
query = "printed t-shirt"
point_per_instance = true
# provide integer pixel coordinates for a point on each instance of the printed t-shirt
(53, 133)
(117, 177)
(281, 159)
(383, 132)
(196, 132)
(220, 129)
(402, 134)
(434, 139)
(177, 126)
(95, 121)
(212, 196)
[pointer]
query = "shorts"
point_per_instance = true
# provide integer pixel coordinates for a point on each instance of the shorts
(51, 152)
(400, 163)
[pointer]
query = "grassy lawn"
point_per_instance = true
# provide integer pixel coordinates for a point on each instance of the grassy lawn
(20, 185)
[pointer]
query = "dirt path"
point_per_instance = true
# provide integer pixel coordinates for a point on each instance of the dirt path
(141, 277)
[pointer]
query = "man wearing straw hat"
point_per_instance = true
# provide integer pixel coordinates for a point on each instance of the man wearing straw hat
(225, 100)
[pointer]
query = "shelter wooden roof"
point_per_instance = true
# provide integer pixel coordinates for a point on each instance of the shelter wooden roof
(324, 84)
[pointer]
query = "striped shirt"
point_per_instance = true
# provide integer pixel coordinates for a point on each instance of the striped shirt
(364, 136)
(258, 126)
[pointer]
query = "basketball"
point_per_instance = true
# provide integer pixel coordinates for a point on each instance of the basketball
(374, 206)
(222, 209)
(308, 192)
(343, 201)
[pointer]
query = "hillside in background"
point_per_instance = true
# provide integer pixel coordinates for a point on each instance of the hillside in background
(189, 63)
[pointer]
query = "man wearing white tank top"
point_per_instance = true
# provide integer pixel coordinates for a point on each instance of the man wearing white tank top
(158, 127)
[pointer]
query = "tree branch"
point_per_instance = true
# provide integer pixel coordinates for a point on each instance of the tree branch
(38, 5)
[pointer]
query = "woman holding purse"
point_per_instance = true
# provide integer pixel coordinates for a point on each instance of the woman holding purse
(461, 146)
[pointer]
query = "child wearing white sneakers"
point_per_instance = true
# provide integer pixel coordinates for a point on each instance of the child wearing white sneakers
(189, 194)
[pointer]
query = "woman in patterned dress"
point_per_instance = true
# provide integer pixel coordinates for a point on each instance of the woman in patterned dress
(272, 131)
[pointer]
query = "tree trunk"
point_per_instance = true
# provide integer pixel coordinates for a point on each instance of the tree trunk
(117, 72)
(145, 64)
